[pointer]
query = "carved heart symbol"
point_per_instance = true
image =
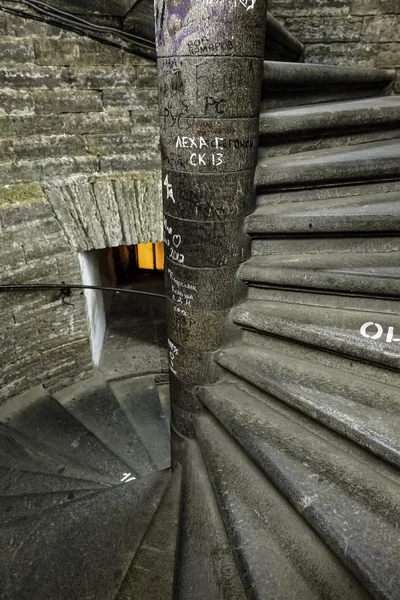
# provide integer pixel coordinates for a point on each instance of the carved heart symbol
(176, 240)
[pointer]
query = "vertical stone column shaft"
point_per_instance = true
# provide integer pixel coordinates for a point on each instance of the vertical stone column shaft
(210, 65)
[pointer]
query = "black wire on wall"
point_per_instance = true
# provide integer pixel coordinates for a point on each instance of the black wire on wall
(54, 16)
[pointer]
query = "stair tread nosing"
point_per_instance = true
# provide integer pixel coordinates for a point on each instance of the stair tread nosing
(371, 161)
(363, 213)
(363, 410)
(353, 508)
(368, 273)
(344, 331)
(341, 115)
(205, 566)
(279, 554)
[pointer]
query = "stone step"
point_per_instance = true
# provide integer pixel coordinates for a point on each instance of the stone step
(367, 334)
(280, 556)
(293, 84)
(314, 126)
(39, 416)
(93, 403)
(205, 565)
(151, 573)
(13, 508)
(139, 398)
(370, 162)
(364, 410)
(363, 213)
(368, 273)
(352, 507)
(81, 549)
(15, 482)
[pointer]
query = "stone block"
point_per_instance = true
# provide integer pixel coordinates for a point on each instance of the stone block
(389, 56)
(98, 123)
(47, 244)
(136, 100)
(11, 173)
(15, 102)
(16, 51)
(100, 77)
(305, 8)
(110, 144)
(74, 52)
(375, 7)
(27, 195)
(147, 75)
(6, 150)
(337, 53)
(49, 146)
(145, 160)
(380, 29)
(6, 127)
(32, 76)
(43, 270)
(37, 125)
(52, 168)
(67, 101)
(326, 29)
(19, 27)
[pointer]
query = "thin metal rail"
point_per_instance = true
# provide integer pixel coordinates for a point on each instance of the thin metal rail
(66, 288)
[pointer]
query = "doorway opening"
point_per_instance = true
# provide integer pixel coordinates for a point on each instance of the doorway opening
(127, 331)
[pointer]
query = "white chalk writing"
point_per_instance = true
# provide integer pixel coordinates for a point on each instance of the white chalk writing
(170, 193)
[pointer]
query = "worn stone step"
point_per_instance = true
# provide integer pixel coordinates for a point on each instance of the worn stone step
(13, 508)
(139, 398)
(364, 273)
(151, 573)
(364, 410)
(93, 403)
(39, 416)
(205, 565)
(314, 126)
(293, 84)
(18, 451)
(15, 482)
(363, 213)
(348, 164)
(279, 555)
(353, 508)
(79, 550)
(326, 244)
(362, 333)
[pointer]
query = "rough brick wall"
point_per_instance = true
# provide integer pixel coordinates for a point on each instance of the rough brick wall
(345, 32)
(79, 169)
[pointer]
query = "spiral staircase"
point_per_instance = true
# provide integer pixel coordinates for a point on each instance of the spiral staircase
(291, 487)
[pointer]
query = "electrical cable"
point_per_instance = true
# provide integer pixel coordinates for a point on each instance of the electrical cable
(76, 23)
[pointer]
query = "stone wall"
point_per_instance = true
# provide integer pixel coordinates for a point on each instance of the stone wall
(79, 170)
(345, 32)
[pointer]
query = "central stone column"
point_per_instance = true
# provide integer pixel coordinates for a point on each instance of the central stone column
(210, 66)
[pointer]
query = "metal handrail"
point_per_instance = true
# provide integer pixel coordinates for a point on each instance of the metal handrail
(66, 288)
